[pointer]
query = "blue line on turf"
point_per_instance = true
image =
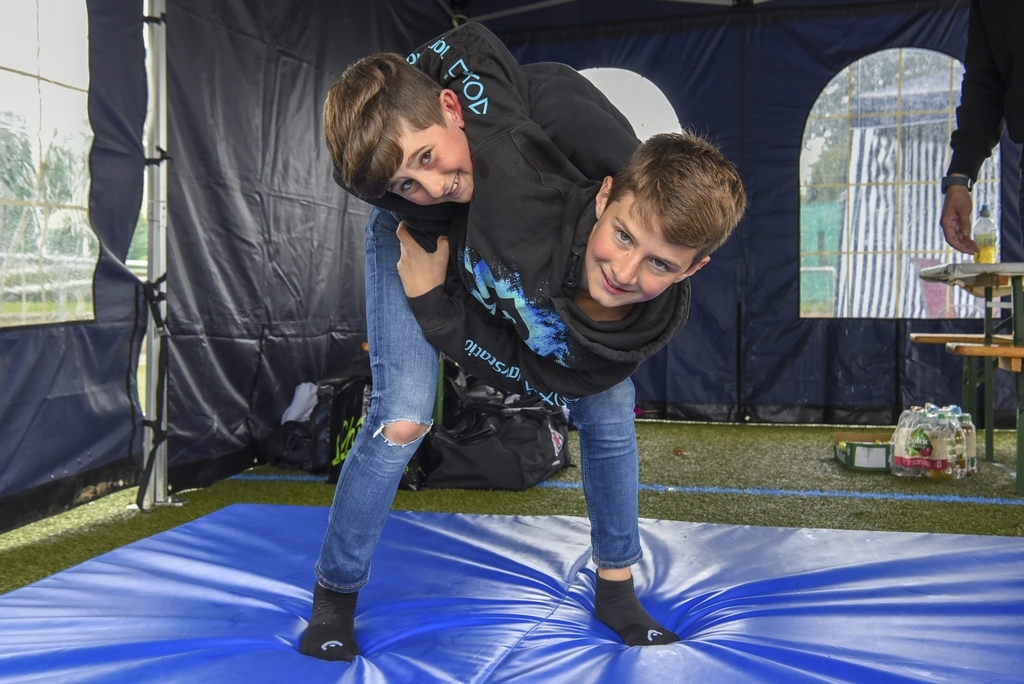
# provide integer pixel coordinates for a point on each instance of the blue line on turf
(289, 478)
(937, 498)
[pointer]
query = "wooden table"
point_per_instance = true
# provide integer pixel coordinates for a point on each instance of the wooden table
(991, 281)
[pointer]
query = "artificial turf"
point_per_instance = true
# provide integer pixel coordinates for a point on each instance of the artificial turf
(778, 476)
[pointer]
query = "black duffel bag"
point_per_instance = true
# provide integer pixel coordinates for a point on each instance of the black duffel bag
(490, 440)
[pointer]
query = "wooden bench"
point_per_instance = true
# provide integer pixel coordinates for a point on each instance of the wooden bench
(1008, 357)
(972, 377)
(1011, 359)
(941, 338)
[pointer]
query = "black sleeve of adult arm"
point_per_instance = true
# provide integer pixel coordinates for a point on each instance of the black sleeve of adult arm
(979, 118)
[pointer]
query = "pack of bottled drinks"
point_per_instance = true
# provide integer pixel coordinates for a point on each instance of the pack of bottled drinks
(935, 442)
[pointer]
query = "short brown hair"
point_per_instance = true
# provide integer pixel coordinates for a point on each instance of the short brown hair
(683, 182)
(366, 113)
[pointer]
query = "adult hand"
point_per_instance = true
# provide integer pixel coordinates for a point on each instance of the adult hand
(956, 219)
(420, 270)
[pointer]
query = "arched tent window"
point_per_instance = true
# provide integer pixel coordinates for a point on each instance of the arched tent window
(48, 250)
(639, 100)
(875, 148)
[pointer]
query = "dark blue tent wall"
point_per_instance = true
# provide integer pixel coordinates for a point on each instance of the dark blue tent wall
(70, 424)
(265, 265)
(748, 80)
(265, 253)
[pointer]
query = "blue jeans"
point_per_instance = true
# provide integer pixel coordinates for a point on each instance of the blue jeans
(404, 368)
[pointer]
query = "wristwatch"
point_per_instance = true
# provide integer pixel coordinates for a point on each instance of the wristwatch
(956, 180)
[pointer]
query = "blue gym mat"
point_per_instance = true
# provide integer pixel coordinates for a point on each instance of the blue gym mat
(466, 598)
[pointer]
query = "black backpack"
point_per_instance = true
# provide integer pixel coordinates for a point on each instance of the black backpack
(337, 418)
(321, 443)
(342, 404)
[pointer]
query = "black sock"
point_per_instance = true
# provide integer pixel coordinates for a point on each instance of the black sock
(616, 605)
(331, 631)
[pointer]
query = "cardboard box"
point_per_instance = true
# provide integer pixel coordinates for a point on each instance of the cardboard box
(863, 450)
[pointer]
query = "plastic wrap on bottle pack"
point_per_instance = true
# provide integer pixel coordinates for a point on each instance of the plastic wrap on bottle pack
(929, 441)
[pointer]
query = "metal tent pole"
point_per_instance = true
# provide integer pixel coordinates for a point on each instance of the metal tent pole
(155, 468)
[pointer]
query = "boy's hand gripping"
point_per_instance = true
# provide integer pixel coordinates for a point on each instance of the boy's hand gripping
(420, 270)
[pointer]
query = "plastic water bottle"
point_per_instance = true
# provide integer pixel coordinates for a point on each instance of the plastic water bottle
(947, 440)
(912, 447)
(985, 237)
(970, 444)
(899, 460)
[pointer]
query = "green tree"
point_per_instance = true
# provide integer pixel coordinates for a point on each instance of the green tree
(46, 243)
(139, 248)
(829, 171)
(17, 172)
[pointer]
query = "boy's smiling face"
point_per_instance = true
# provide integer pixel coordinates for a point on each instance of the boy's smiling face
(436, 163)
(628, 262)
